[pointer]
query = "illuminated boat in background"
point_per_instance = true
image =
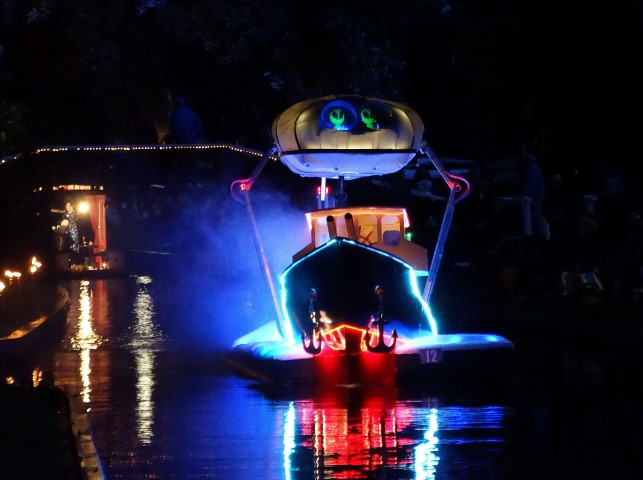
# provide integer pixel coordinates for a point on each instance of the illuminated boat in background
(90, 206)
(122, 196)
(354, 305)
(38, 243)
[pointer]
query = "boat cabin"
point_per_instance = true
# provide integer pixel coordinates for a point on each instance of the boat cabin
(383, 228)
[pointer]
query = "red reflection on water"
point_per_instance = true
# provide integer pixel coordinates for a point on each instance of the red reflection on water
(354, 431)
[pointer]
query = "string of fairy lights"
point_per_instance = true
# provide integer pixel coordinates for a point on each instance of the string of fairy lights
(131, 148)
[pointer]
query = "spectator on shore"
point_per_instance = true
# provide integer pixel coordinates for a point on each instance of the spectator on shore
(562, 208)
(612, 213)
(185, 124)
(532, 196)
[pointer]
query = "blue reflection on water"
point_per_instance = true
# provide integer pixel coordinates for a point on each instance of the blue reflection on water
(289, 439)
(426, 453)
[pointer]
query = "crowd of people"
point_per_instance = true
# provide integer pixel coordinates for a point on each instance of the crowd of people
(550, 236)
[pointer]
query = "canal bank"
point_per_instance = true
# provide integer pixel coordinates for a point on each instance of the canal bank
(44, 437)
(46, 432)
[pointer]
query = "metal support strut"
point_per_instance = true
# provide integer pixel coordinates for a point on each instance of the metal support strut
(459, 188)
(244, 185)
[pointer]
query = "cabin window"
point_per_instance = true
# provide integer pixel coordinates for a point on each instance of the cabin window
(391, 233)
(340, 224)
(367, 229)
(391, 238)
(321, 232)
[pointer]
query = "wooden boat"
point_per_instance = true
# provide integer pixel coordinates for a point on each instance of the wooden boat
(39, 314)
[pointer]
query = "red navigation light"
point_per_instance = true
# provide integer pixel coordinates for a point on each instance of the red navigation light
(327, 191)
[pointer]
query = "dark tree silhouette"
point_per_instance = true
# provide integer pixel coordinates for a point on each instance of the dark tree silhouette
(488, 78)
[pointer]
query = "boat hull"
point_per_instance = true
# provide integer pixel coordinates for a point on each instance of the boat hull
(444, 359)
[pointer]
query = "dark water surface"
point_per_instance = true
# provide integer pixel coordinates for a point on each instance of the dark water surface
(144, 355)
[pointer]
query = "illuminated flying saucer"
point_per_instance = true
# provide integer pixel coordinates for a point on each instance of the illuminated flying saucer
(347, 136)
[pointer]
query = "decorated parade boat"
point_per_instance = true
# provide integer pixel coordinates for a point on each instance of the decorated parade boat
(354, 305)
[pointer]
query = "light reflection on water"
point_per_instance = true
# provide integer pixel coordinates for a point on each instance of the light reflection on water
(145, 339)
(85, 338)
(160, 412)
(426, 453)
(365, 434)
(350, 442)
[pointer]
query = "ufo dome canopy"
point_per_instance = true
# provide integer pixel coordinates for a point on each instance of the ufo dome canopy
(347, 136)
